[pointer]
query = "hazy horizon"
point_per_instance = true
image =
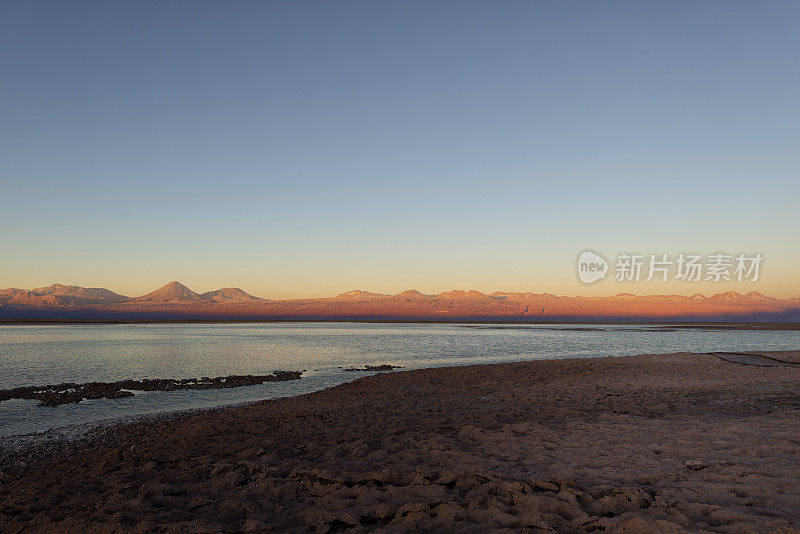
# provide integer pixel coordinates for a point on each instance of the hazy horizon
(384, 293)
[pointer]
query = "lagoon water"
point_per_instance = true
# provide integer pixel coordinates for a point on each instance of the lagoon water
(38, 355)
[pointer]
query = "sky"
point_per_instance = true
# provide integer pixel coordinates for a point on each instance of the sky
(304, 149)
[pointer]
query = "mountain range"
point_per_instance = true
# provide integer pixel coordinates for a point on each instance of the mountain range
(177, 293)
(175, 301)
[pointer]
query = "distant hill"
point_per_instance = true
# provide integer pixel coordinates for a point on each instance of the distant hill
(173, 292)
(176, 300)
(413, 294)
(177, 293)
(229, 294)
(95, 293)
(59, 295)
(360, 295)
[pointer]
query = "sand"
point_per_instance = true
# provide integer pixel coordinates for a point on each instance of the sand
(636, 444)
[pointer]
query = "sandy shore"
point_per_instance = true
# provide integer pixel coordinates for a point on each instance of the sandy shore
(646, 443)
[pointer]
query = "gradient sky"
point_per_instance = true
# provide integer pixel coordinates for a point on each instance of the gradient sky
(301, 149)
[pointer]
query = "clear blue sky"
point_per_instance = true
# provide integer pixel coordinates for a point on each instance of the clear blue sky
(309, 148)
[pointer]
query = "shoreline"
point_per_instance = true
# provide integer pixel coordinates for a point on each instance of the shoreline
(81, 430)
(73, 393)
(688, 325)
(50, 434)
(650, 442)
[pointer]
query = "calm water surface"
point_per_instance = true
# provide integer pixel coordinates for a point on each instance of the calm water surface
(37, 355)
